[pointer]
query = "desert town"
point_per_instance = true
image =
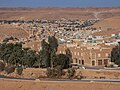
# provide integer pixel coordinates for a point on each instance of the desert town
(90, 36)
(86, 48)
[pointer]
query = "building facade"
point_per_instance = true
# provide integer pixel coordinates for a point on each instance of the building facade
(88, 55)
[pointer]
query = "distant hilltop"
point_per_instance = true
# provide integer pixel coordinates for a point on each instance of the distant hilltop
(58, 13)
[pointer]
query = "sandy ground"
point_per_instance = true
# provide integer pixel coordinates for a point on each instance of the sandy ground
(58, 13)
(12, 30)
(7, 84)
(108, 26)
(47, 85)
(97, 74)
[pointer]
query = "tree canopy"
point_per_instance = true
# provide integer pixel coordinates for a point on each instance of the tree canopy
(115, 55)
(15, 54)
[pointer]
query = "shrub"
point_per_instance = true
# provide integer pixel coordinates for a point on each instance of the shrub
(49, 72)
(19, 70)
(2, 66)
(9, 69)
(70, 72)
(55, 72)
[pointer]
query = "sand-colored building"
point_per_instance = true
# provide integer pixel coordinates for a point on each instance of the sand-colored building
(88, 55)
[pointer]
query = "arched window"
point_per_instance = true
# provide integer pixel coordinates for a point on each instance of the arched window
(82, 62)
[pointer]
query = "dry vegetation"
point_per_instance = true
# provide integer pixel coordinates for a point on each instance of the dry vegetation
(86, 74)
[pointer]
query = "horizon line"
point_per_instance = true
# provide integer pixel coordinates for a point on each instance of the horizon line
(69, 7)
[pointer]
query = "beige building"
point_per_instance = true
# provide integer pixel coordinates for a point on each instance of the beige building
(88, 55)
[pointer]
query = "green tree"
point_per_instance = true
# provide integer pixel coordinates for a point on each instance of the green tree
(63, 61)
(53, 43)
(5, 51)
(44, 54)
(9, 69)
(10, 38)
(16, 55)
(43, 59)
(115, 55)
(19, 70)
(69, 55)
(29, 58)
(2, 66)
(53, 59)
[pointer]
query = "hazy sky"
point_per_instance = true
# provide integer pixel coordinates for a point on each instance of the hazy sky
(58, 3)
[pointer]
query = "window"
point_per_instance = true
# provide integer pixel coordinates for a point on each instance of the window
(82, 62)
(76, 60)
(105, 61)
(79, 62)
(99, 62)
(93, 63)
